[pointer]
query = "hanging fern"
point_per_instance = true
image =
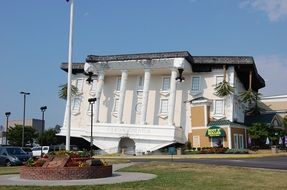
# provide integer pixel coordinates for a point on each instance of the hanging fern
(223, 89)
(64, 89)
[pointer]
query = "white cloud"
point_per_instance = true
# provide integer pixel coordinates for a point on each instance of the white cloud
(273, 69)
(275, 9)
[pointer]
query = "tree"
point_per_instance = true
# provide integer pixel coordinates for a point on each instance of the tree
(285, 122)
(14, 135)
(258, 133)
(63, 91)
(223, 88)
(48, 137)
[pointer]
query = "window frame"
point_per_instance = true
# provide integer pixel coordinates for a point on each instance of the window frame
(216, 77)
(161, 108)
(215, 107)
(79, 85)
(162, 83)
(76, 110)
(199, 89)
(118, 83)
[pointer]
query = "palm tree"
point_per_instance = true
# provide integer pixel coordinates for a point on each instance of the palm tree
(64, 89)
(251, 97)
(223, 88)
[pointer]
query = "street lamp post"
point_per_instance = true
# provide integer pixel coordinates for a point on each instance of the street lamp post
(43, 109)
(7, 121)
(91, 101)
(23, 126)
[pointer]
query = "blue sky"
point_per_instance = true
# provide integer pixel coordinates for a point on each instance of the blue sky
(34, 41)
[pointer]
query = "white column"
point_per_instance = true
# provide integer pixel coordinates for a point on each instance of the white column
(122, 95)
(147, 75)
(171, 101)
(100, 84)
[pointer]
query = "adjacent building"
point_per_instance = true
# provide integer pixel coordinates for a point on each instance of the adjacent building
(152, 100)
(276, 104)
(34, 123)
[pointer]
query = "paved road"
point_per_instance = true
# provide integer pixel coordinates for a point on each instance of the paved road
(276, 162)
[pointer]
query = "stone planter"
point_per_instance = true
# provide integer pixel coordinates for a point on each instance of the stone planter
(65, 173)
(66, 168)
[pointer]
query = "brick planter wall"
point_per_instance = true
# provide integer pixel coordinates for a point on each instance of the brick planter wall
(65, 173)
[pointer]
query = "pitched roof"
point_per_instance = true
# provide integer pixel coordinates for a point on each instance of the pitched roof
(260, 118)
(219, 122)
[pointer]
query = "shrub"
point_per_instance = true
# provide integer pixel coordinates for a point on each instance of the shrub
(236, 151)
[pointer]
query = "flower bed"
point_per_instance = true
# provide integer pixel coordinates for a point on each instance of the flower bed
(65, 166)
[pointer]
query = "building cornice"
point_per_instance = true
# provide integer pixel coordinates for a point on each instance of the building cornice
(242, 64)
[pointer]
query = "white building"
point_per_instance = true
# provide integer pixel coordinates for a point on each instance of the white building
(141, 106)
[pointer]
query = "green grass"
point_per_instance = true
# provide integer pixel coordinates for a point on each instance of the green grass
(9, 170)
(173, 176)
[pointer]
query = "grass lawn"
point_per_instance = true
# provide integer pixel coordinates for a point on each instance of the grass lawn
(191, 176)
(9, 170)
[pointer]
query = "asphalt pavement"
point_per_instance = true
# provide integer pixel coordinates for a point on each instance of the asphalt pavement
(271, 162)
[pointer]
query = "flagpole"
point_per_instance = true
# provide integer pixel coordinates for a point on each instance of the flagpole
(69, 76)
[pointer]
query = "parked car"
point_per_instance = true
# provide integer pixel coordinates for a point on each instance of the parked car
(28, 150)
(36, 151)
(13, 156)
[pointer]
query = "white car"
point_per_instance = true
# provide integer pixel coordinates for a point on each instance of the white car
(36, 151)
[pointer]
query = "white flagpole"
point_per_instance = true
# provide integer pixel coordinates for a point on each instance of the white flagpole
(69, 76)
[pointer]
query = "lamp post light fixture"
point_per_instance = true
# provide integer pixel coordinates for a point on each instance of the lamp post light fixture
(91, 101)
(89, 70)
(43, 109)
(7, 121)
(23, 126)
(180, 78)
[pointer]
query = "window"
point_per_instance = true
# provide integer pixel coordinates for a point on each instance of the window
(196, 141)
(195, 86)
(163, 106)
(218, 107)
(118, 87)
(94, 86)
(76, 104)
(165, 83)
(140, 83)
(218, 80)
(79, 84)
(217, 141)
(235, 141)
(116, 105)
(241, 142)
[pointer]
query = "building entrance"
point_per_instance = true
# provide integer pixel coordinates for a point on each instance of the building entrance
(127, 146)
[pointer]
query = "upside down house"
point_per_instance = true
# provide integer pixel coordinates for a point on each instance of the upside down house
(151, 100)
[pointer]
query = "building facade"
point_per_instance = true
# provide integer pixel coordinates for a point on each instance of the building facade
(143, 104)
(276, 104)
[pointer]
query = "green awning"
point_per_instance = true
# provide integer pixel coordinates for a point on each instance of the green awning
(215, 131)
